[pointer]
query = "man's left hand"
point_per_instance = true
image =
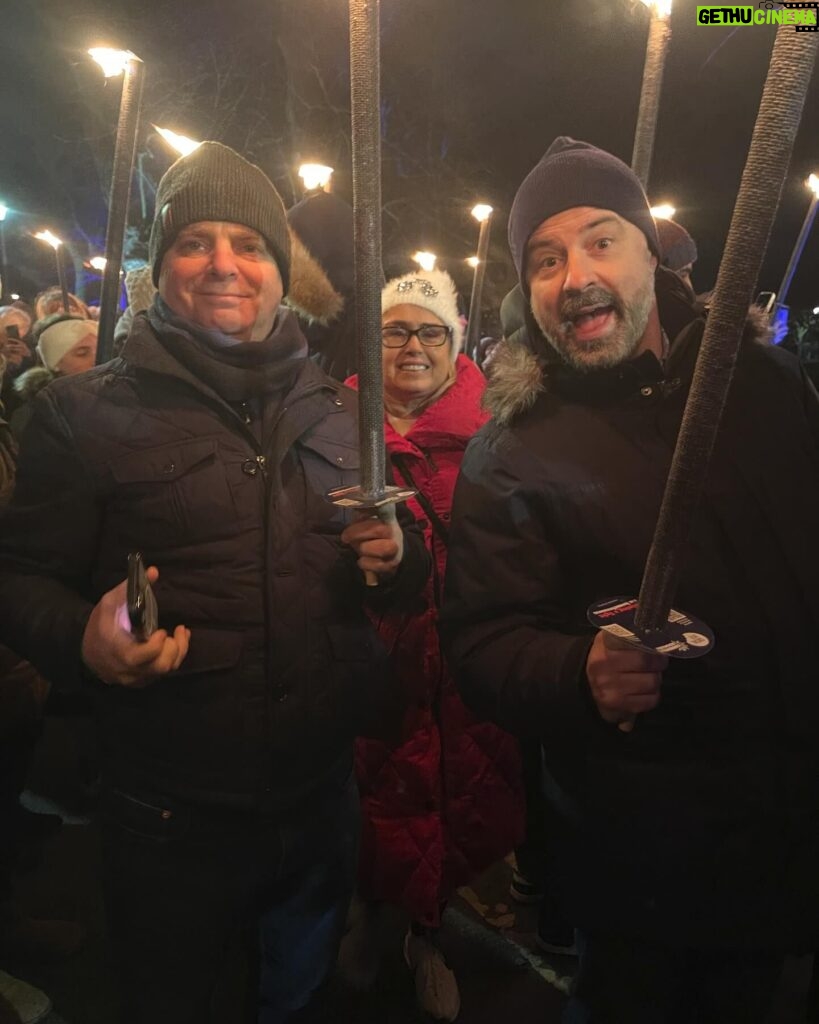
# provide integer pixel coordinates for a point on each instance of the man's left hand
(379, 545)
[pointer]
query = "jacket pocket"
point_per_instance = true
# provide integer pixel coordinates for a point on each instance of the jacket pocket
(327, 464)
(211, 650)
(171, 494)
(143, 818)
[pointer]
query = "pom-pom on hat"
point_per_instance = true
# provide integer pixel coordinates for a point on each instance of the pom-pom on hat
(215, 183)
(569, 174)
(430, 289)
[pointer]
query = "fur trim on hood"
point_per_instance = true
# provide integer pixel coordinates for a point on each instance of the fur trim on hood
(29, 383)
(519, 374)
(311, 295)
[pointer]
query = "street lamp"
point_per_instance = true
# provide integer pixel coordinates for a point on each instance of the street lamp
(665, 211)
(181, 143)
(813, 184)
(425, 260)
(659, 34)
(127, 64)
(483, 214)
(55, 243)
(315, 176)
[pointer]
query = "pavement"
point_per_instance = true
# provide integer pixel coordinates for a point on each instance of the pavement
(489, 941)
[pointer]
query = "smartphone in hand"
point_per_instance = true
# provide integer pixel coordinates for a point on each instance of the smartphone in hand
(142, 610)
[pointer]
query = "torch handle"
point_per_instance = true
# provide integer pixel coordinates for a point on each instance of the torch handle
(387, 515)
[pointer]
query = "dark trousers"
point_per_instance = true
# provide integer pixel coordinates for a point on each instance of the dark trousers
(621, 980)
(181, 884)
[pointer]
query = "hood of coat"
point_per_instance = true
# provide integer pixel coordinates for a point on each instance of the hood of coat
(453, 419)
(524, 369)
(29, 383)
(311, 295)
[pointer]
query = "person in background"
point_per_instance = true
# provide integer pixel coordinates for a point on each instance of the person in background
(50, 301)
(444, 800)
(678, 250)
(65, 345)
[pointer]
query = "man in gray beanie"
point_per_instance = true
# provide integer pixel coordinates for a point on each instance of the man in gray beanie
(683, 795)
(226, 735)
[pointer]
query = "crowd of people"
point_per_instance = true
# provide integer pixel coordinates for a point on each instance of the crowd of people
(340, 718)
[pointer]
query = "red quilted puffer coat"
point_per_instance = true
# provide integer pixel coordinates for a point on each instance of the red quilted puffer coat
(446, 800)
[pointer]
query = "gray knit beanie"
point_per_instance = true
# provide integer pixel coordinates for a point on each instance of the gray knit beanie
(570, 174)
(215, 183)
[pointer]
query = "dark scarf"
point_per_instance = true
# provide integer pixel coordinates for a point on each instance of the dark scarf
(238, 371)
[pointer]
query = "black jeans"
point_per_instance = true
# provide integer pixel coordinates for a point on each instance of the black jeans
(181, 883)
(622, 980)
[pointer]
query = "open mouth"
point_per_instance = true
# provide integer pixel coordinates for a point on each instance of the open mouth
(592, 321)
(413, 367)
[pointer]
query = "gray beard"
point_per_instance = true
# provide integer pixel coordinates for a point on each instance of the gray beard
(618, 347)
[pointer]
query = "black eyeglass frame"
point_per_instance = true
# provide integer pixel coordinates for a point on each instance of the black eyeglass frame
(410, 331)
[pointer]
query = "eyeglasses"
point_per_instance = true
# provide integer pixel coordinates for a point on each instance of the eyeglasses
(430, 335)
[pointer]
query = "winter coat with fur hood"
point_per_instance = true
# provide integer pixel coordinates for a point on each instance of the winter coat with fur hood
(701, 827)
(444, 800)
(284, 668)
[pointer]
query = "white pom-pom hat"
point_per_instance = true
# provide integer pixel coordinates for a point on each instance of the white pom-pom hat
(430, 289)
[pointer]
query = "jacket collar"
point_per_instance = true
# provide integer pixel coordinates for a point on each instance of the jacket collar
(522, 371)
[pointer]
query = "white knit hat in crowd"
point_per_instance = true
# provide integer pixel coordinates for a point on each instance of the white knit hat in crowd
(58, 339)
(430, 289)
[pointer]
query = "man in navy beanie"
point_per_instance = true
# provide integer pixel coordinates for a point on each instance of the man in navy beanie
(683, 795)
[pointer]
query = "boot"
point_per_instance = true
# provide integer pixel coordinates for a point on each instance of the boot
(25, 1003)
(435, 984)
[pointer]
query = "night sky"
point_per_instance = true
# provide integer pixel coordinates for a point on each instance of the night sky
(472, 94)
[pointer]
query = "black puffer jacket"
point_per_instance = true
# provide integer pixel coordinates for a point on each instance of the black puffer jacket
(702, 826)
(284, 668)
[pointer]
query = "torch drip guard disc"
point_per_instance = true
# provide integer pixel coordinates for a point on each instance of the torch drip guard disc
(354, 497)
(683, 636)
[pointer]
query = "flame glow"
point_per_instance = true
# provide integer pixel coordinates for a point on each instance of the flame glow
(481, 212)
(315, 175)
(181, 143)
(425, 260)
(52, 240)
(112, 62)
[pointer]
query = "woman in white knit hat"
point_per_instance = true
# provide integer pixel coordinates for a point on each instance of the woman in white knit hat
(444, 801)
(65, 345)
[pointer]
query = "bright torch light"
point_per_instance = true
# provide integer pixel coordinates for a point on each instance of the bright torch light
(97, 262)
(315, 176)
(810, 216)
(112, 62)
(662, 8)
(481, 212)
(665, 211)
(55, 243)
(181, 143)
(49, 239)
(425, 260)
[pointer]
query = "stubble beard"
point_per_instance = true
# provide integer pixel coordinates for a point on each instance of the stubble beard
(617, 346)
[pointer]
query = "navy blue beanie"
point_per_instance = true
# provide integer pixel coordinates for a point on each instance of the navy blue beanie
(569, 174)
